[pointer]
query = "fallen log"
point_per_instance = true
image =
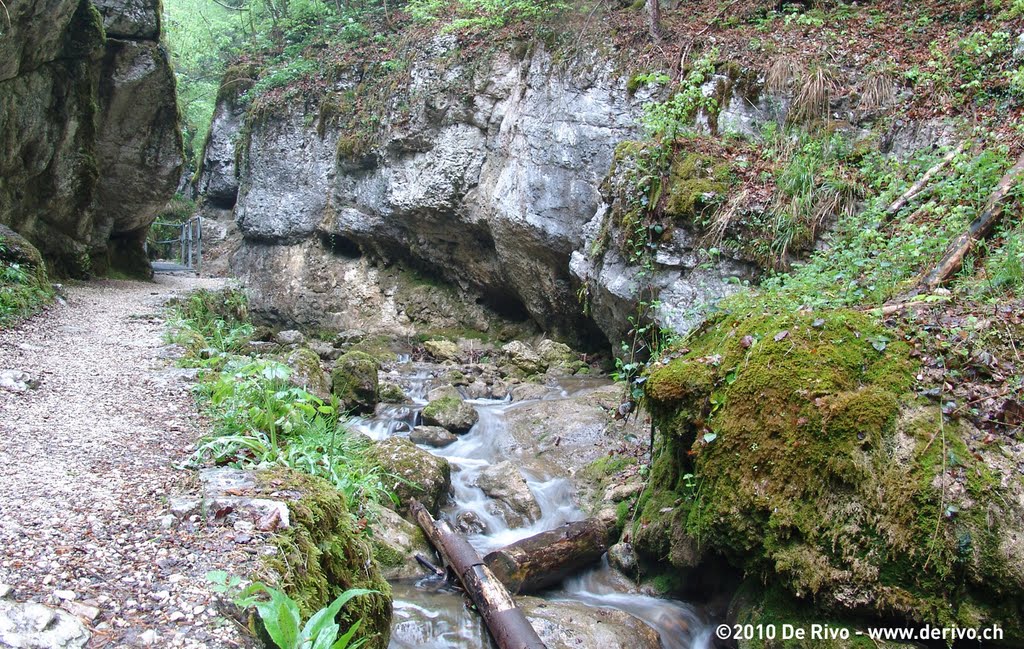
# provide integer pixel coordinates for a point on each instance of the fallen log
(916, 188)
(545, 559)
(980, 228)
(507, 624)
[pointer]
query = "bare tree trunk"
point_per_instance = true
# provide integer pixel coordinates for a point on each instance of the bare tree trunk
(547, 558)
(982, 226)
(654, 19)
(508, 625)
(916, 188)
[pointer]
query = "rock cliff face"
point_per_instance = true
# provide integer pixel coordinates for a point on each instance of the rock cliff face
(486, 176)
(485, 182)
(88, 121)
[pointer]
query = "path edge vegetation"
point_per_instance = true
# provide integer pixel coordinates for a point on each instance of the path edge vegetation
(323, 569)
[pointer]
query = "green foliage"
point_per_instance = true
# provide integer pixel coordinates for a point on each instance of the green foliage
(261, 420)
(482, 14)
(283, 621)
(667, 120)
(869, 257)
(210, 325)
(23, 289)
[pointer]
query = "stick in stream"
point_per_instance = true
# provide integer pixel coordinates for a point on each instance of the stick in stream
(508, 625)
(545, 559)
(982, 226)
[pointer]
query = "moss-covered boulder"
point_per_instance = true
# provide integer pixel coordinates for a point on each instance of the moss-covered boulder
(772, 608)
(396, 542)
(417, 473)
(451, 413)
(307, 372)
(695, 183)
(354, 381)
(443, 350)
(793, 446)
(523, 358)
(391, 393)
(559, 357)
(320, 555)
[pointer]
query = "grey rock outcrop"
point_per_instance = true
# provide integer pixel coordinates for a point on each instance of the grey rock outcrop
(488, 191)
(89, 124)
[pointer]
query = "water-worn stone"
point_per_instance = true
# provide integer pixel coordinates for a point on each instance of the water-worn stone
(434, 436)
(396, 542)
(443, 350)
(424, 476)
(307, 372)
(451, 413)
(523, 358)
(354, 381)
(35, 626)
(572, 625)
(622, 556)
(391, 393)
(511, 496)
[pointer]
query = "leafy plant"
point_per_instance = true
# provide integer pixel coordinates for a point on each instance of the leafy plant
(280, 615)
(23, 289)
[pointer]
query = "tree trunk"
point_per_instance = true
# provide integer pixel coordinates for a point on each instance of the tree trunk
(982, 226)
(508, 625)
(654, 19)
(547, 558)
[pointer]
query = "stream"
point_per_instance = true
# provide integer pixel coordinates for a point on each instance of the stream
(430, 614)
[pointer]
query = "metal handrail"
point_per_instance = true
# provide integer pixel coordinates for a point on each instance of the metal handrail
(189, 242)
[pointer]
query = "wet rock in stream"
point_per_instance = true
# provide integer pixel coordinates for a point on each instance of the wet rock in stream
(511, 498)
(575, 625)
(420, 475)
(452, 413)
(433, 436)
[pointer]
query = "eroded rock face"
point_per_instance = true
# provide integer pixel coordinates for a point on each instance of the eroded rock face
(89, 125)
(489, 192)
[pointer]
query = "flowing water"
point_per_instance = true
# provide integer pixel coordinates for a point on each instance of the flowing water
(428, 613)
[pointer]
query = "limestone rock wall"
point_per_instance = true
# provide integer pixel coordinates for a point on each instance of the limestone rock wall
(88, 124)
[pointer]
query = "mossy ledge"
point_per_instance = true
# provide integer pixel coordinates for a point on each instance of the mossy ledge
(321, 555)
(793, 447)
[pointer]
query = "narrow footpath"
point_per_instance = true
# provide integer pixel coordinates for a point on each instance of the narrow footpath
(89, 457)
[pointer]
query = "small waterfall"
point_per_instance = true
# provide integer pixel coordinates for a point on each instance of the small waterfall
(428, 613)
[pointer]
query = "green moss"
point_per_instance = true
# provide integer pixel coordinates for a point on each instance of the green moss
(607, 466)
(320, 556)
(696, 182)
(438, 408)
(84, 36)
(804, 468)
(354, 381)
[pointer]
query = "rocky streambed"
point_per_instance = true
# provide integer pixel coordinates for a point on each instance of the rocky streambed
(504, 443)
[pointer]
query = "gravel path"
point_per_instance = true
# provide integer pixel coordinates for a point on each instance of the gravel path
(87, 463)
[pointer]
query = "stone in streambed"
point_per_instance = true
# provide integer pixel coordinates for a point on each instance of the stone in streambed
(354, 381)
(452, 413)
(390, 393)
(433, 436)
(443, 350)
(289, 337)
(422, 475)
(570, 625)
(524, 358)
(511, 496)
(396, 542)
